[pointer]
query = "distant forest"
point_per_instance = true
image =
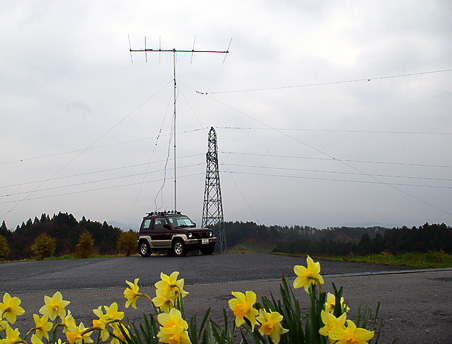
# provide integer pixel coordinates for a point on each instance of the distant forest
(333, 241)
(342, 241)
(66, 231)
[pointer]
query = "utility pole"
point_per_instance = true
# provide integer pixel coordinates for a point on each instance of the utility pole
(174, 51)
(212, 213)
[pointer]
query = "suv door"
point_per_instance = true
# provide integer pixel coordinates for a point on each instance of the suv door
(160, 236)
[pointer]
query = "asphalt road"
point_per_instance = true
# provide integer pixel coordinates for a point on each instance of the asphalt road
(416, 304)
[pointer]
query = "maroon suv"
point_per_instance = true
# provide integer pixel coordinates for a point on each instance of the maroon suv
(175, 233)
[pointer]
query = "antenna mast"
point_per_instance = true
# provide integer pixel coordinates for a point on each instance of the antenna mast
(174, 51)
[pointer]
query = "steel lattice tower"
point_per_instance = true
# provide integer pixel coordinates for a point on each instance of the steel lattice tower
(212, 213)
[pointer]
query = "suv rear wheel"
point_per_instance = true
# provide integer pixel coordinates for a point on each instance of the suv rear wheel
(179, 249)
(144, 248)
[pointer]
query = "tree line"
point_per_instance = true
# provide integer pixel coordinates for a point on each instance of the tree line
(61, 235)
(342, 241)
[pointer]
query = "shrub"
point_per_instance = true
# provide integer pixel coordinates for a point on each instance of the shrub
(85, 246)
(4, 247)
(43, 247)
(127, 242)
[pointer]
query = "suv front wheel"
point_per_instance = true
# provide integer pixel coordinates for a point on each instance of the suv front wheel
(144, 248)
(179, 249)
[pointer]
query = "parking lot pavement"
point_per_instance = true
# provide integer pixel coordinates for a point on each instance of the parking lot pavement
(415, 306)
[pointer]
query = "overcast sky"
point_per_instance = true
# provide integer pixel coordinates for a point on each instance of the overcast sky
(328, 113)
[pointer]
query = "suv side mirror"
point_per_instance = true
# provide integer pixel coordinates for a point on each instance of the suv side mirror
(166, 226)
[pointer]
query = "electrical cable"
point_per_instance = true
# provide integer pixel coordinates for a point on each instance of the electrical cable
(333, 158)
(331, 82)
(83, 151)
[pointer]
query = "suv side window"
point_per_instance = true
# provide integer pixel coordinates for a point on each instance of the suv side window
(146, 224)
(159, 222)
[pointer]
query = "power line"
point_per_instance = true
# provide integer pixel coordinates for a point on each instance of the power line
(98, 189)
(341, 173)
(346, 160)
(369, 79)
(343, 180)
(95, 181)
(344, 131)
(343, 162)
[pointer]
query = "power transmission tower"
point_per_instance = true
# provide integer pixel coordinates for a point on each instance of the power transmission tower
(212, 213)
(174, 51)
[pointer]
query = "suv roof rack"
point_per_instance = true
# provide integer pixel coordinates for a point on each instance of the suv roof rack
(165, 212)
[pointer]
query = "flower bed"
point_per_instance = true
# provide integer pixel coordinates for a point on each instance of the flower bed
(270, 320)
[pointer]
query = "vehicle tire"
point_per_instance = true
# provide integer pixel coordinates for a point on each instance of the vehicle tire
(144, 249)
(179, 249)
(208, 250)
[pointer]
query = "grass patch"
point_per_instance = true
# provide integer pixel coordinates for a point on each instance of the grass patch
(427, 260)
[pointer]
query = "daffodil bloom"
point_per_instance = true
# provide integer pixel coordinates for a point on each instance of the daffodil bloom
(3, 324)
(173, 335)
(174, 328)
(80, 335)
(242, 306)
(174, 317)
(171, 284)
(42, 326)
(307, 276)
(331, 303)
(350, 335)
(112, 314)
(68, 322)
(12, 336)
(132, 294)
(330, 322)
(10, 308)
(164, 300)
(36, 340)
(54, 306)
(271, 325)
(101, 323)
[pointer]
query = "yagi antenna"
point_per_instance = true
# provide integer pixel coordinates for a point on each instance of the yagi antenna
(146, 54)
(130, 49)
(227, 50)
(174, 51)
(193, 50)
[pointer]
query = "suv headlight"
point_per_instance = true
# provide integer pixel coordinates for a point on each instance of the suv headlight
(190, 235)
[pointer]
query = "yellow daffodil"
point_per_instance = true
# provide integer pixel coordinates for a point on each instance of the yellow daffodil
(164, 300)
(68, 322)
(10, 308)
(54, 306)
(112, 314)
(42, 326)
(80, 335)
(271, 325)
(242, 306)
(330, 322)
(172, 284)
(101, 323)
(132, 294)
(36, 340)
(307, 276)
(174, 328)
(12, 336)
(331, 303)
(3, 324)
(173, 335)
(174, 317)
(350, 335)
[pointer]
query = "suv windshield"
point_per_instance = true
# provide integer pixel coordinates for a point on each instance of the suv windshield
(180, 221)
